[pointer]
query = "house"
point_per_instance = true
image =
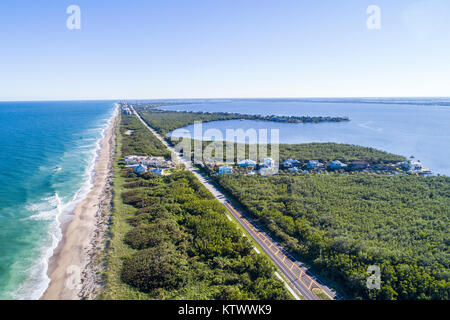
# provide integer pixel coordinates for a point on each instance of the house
(415, 166)
(140, 169)
(359, 165)
(247, 163)
(314, 165)
(157, 162)
(268, 163)
(289, 163)
(225, 170)
(266, 171)
(294, 170)
(404, 165)
(336, 165)
(131, 160)
(157, 171)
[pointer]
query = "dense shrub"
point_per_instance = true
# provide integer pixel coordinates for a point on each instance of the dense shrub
(161, 266)
(150, 235)
(344, 223)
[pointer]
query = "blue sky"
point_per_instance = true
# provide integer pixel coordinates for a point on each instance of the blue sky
(223, 48)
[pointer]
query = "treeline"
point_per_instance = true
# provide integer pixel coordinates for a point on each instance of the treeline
(329, 151)
(178, 242)
(324, 152)
(166, 121)
(344, 223)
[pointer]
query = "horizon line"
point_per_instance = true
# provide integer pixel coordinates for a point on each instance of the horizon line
(225, 98)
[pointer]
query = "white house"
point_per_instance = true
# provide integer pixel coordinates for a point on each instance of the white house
(148, 161)
(415, 166)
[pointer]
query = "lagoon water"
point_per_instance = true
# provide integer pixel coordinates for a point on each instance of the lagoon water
(47, 155)
(409, 127)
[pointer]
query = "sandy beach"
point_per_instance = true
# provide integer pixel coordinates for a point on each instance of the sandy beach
(74, 266)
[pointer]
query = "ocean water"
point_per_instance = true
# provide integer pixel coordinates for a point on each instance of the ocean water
(47, 157)
(409, 127)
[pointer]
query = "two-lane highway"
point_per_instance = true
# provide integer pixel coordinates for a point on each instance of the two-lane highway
(294, 271)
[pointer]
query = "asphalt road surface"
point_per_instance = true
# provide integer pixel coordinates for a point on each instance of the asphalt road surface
(297, 274)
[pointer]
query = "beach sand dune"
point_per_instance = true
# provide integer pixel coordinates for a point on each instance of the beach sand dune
(72, 270)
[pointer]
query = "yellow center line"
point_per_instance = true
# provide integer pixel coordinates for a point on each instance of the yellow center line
(264, 239)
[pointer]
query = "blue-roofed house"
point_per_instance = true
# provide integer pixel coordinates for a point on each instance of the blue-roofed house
(225, 170)
(294, 170)
(247, 163)
(336, 165)
(140, 169)
(268, 163)
(314, 165)
(289, 163)
(157, 171)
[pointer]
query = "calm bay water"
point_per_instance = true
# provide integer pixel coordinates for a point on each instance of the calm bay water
(46, 163)
(409, 127)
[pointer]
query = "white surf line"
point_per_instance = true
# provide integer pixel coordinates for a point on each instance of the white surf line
(287, 286)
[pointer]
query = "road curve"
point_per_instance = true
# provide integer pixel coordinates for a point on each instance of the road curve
(294, 271)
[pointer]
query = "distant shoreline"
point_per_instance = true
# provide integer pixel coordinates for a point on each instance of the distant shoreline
(73, 266)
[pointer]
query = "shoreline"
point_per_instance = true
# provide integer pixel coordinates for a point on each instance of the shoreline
(73, 267)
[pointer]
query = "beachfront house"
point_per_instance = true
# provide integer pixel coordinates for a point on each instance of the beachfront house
(225, 170)
(314, 165)
(140, 169)
(131, 160)
(247, 163)
(336, 165)
(289, 163)
(158, 162)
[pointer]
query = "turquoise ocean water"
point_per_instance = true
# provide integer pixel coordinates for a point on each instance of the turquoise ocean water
(47, 156)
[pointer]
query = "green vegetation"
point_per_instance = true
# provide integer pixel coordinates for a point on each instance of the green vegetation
(135, 133)
(165, 121)
(326, 152)
(171, 239)
(343, 223)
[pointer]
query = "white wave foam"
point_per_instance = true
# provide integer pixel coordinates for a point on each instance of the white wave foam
(53, 209)
(50, 209)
